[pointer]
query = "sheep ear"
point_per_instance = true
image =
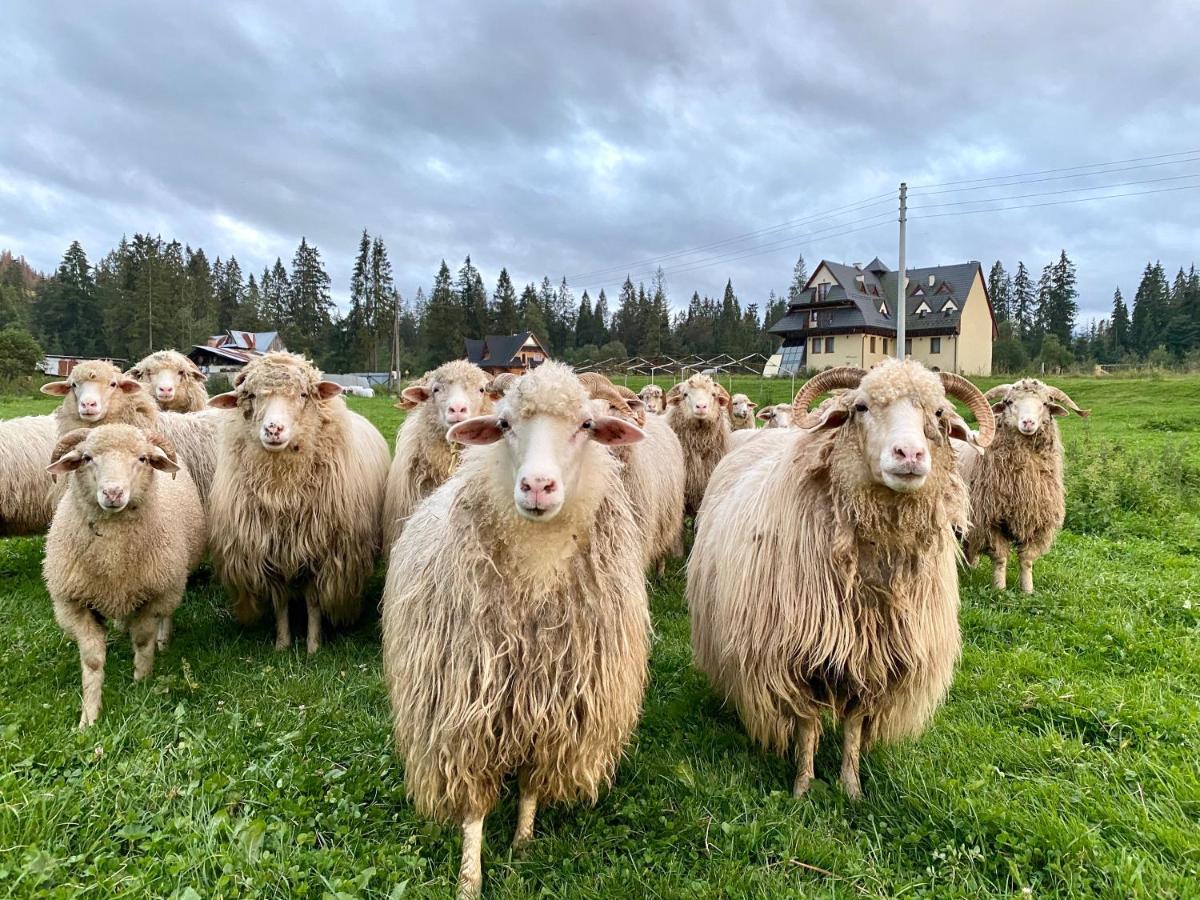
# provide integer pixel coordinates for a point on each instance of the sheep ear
(765, 413)
(162, 462)
(958, 428)
(419, 393)
(327, 390)
(68, 462)
(479, 430)
(998, 408)
(135, 373)
(195, 373)
(752, 405)
(224, 401)
(612, 432)
(129, 386)
(834, 415)
(674, 396)
(1057, 411)
(57, 388)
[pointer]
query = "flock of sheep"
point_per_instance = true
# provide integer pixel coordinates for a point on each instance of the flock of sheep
(520, 516)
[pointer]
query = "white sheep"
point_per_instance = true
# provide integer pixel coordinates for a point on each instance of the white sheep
(777, 416)
(27, 496)
(652, 395)
(296, 498)
(516, 630)
(741, 412)
(124, 538)
(424, 458)
(1016, 487)
(696, 413)
(823, 576)
(174, 381)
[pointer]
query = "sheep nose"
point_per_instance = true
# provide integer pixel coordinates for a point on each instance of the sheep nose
(274, 429)
(114, 494)
(166, 392)
(701, 407)
(89, 405)
(1027, 424)
(457, 411)
(908, 454)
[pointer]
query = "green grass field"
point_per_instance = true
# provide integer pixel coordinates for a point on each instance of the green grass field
(1065, 761)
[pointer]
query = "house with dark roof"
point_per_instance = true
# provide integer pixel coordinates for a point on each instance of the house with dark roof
(514, 353)
(230, 351)
(846, 316)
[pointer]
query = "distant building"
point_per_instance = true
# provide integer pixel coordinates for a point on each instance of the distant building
(846, 316)
(62, 364)
(230, 351)
(514, 353)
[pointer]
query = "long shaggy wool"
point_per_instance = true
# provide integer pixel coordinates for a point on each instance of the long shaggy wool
(305, 519)
(123, 409)
(114, 563)
(27, 496)
(424, 458)
(812, 590)
(1017, 494)
(190, 394)
(704, 443)
(521, 645)
(196, 437)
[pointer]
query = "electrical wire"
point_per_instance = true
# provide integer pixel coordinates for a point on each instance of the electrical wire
(968, 212)
(1115, 162)
(1097, 187)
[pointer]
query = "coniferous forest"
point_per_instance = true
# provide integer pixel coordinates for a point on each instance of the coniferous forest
(147, 293)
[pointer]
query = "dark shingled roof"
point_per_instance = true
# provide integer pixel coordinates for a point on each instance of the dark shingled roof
(497, 350)
(854, 303)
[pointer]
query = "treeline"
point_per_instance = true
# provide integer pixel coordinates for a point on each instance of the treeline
(148, 293)
(1037, 321)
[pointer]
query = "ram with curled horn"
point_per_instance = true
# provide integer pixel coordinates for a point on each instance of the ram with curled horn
(1018, 498)
(849, 603)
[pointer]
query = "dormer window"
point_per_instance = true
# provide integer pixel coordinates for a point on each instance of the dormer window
(919, 292)
(883, 309)
(923, 308)
(950, 307)
(945, 288)
(822, 289)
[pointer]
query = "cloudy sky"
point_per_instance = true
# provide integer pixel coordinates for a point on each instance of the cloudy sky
(591, 139)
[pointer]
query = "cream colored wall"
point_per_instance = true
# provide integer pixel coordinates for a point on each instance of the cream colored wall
(847, 351)
(975, 339)
(822, 276)
(943, 359)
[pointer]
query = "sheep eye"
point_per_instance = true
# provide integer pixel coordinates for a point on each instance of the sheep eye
(86, 458)
(1008, 403)
(112, 384)
(861, 407)
(588, 425)
(435, 390)
(481, 390)
(938, 413)
(504, 426)
(141, 459)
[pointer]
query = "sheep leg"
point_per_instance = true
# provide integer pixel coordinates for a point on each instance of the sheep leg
(808, 733)
(143, 629)
(93, 648)
(1026, 558)
(526, 809)
(283, 628)
(470, 871)
(999, 554)
(166, 630)
(852, 729)
(314, 623)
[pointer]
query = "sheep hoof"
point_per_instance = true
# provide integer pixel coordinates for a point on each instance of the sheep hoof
(86, 721)
(282, 644)
(853, 790)
(801, 785)
(470, 886)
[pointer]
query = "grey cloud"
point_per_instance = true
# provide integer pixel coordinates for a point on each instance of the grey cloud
(575, 136)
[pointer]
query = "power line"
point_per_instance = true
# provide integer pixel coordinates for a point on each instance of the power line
(981, 187)
(794, 241)
(1115, 162)
(968, 212)
(815, 218)
(1097, 187)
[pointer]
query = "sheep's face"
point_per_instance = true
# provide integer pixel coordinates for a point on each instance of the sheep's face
(456, 391)
(1026, 408)
(740, 407)
(275, 396)
(546, 423)
(896, 413)
(113, 464)
(92, 386)
(699, 396)
(778, 416)
(652, 396)
(166, 374)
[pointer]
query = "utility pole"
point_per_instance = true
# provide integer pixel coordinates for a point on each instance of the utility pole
(395, 366)
(901, 277)
(150, 317)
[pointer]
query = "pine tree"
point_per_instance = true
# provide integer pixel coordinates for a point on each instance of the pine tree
(600, 321)
(1000, 288)
(1118, 330)
(68, 317)
(583, 322)
(444, 329)
(533, 318)
(276, 289)
(625, 319)
(562, 322)
(382, 306)
(252, 318)
(230, 295)
(473, 300)
(310, 308)
(799, 279)
(1150, 309)
(1024, 304)
(202, 295)
(356, 328)
(1060, 307)
(505, 317)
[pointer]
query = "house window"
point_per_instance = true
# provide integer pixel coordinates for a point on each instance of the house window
(812, 317)
(935, 345)
(828, 345)
(791, 358)
(816, 345)
(908, 346)
(885, 346)
(872, 344)
(821, 290)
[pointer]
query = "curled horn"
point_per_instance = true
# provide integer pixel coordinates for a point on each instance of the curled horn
(994, 394)
(841, 377)
(499, 385)
(1060, 397)
(163, 443)
(959, 387)
(591, 381)
(67, 442)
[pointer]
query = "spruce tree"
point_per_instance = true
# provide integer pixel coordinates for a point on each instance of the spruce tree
(583, 322)
(600, 321)
(1118, 330)
(533, 319)
(473, 300)
(799, 279)
(310, 307)
(1024, 304)
(445, 322)
(1000, 288)
(506, 318)
(382, 306)
(1060, 305)
(356, 328)
(68, 315)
